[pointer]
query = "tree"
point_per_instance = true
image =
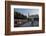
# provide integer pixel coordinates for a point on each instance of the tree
(18, 15)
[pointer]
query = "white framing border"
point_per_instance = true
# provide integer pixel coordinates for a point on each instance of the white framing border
(25, 28)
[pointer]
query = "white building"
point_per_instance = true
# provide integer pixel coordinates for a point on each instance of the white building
(33, 17)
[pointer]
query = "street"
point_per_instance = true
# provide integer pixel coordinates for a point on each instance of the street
(28, 24)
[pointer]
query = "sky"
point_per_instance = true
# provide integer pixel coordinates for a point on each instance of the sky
(25, 11)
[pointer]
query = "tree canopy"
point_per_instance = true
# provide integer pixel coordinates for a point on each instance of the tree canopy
(18, 15)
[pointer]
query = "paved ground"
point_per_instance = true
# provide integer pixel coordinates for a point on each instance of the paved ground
(28, 24)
